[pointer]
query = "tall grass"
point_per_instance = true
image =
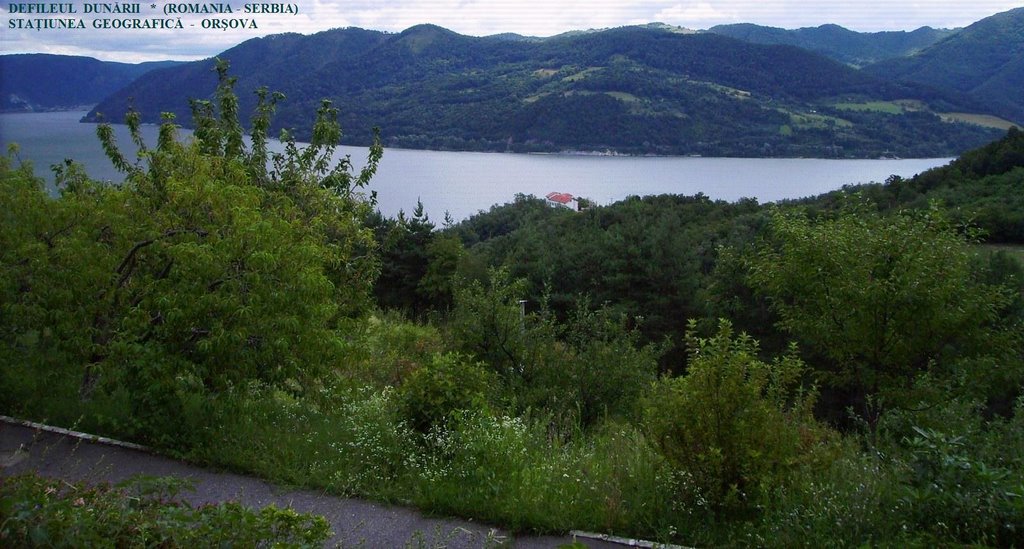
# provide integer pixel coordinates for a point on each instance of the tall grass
(502, 469)
(530, 472)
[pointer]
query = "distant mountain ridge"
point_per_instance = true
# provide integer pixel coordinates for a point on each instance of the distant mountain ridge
(639, 90)
(841, 44)
(984, 61)
(33, 82)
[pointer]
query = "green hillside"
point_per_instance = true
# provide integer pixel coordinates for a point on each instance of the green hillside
(841, 44)
(983, 187)
(638, 90)
(984, 61)
(49, 82)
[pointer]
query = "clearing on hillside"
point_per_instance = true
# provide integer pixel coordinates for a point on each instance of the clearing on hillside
(984, 120)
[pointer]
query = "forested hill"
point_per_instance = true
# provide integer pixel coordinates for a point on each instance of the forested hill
(839, 43)
(983, 188)
(653, 256)
(641, 90)
(984, 61)
(33, 82)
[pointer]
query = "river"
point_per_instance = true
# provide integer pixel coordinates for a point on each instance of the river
(462, 183)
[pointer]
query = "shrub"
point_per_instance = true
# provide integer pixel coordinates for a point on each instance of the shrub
(734, 424)
(202, 271)
(389, 349)
(959, 481)
(449, 383)
(487, 321)
(954, 495)
(597, 369)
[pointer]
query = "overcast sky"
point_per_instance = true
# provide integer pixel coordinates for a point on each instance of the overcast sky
(482, 17)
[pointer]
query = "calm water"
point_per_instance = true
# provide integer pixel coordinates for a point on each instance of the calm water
(463, 183)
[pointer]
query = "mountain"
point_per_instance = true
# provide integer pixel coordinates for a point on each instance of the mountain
(640, 90)
(984, 61)
(841, 44)
(513, 37)
(51, 82)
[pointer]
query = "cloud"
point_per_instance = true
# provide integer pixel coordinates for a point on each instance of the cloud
(697, 14)
(864, 15)
(477, 17)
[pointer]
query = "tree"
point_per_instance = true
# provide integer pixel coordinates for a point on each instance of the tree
(404, 261)
(487, 321)
(878, 300)
(444, 254)
(206, 269)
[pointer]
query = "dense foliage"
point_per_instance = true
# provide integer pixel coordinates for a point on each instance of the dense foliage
(734, 423)
(980, 188)
(843, 371)
(878, 301)
(202, 271)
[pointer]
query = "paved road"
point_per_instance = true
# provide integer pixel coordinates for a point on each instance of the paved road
(355, 522)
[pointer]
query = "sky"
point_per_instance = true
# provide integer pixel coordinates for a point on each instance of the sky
(471, 17)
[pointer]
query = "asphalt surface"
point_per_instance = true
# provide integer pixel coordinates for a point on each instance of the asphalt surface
(354, 522)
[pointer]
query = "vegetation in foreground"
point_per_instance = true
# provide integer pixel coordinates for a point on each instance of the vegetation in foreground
(141, 512)
(846, 371)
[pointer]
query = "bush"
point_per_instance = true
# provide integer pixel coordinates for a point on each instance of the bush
(734, 424)
(597, 369)
(388, 349)
(449, 383)
(487, 321)
(954, 495)
(959, 482)
(589, 368)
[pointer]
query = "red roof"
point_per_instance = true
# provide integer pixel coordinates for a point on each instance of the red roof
(561, 198)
